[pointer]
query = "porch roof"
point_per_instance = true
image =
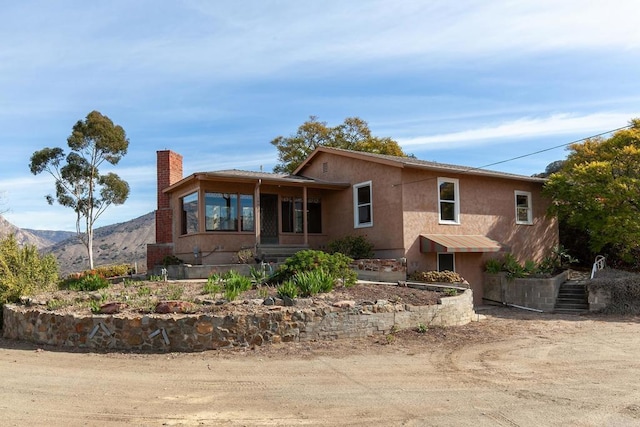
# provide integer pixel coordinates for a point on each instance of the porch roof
(235, 175)
(457, 243)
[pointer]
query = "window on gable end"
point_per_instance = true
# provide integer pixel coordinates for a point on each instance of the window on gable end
(524, 211)
(362, 205)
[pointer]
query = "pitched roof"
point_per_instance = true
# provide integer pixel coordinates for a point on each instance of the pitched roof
(236, 175)
(415, 163)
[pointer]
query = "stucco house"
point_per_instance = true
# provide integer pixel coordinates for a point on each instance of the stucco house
(435, 216)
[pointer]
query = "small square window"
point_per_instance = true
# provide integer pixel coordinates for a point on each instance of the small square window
(446, 262)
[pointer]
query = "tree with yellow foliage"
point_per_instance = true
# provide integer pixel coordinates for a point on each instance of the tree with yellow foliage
(597, 190)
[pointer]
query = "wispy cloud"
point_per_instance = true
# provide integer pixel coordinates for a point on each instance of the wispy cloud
(559, 124)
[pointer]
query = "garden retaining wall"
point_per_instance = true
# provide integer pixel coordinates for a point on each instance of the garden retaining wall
(538, 293)
(167, 333)
(380, 270)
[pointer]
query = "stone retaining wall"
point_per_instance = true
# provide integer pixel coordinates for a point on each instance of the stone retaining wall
(166, 333)
(380, 270)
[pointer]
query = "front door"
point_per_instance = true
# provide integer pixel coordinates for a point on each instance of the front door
(269, 219)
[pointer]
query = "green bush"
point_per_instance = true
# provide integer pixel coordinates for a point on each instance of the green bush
(89, 282)
(336, 265)
(287, 289)
(493, 266)
(112, 270)
(557, 260)
(235, 284)
(313, 282)
(356, 247)
(171, 260)
(511, 265)
(23, 271)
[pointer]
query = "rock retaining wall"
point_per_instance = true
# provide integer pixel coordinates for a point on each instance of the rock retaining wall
(166, 333)
(380, 270)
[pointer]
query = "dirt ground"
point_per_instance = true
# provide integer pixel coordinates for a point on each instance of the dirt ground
(515, 368)
(143, 296)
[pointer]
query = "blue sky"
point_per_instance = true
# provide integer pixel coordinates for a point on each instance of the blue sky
(465, 82)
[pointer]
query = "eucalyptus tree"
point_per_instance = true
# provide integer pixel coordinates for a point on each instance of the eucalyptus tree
(79, 185)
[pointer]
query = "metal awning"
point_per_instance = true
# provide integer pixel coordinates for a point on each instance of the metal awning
(457, 243)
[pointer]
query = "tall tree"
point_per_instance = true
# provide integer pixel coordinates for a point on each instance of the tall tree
(597, 190)
(352, 134)
(78, 182)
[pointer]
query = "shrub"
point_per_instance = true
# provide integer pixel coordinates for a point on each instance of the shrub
(235, 284)
(356, 247)
(436, 276)
(493, 266)
(287, 289)
(88, 282)
(112, 270)
(244, 256)
(213, 285)
(336, 265)
(313, 282)
(513, 268)
(171, 260)
(23, 271)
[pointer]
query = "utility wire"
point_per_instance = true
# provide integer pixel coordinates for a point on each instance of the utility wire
(566, 144)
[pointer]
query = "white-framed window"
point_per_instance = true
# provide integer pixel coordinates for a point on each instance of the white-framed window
(524, 212)
(448, 201)
(446, 261)
(362, 205)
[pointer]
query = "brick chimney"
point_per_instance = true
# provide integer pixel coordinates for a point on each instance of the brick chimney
(169, 170)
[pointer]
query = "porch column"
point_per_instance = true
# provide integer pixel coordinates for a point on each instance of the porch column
(256, 212)
(305, 213)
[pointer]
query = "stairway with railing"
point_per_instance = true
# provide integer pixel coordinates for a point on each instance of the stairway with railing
(573, 297)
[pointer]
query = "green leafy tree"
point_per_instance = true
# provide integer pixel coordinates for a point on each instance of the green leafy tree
(24, 271)
(597, 190)
(78, 182)
(352, 134)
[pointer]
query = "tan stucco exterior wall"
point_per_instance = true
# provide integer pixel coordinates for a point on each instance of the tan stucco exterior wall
(386, 233)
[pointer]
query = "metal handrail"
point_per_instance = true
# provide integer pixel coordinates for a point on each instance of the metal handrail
(599, 264)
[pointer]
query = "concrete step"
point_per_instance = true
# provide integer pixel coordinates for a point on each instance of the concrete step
(572, 298)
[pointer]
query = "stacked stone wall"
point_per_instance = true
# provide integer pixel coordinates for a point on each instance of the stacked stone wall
(166, 333)
(380, 270)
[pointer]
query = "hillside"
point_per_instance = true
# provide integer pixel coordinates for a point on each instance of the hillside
(54, 236)
(125, 242)
(113, 244)
(23, 237)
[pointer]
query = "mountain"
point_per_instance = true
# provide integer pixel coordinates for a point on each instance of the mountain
(125, 242)
(23, 237)
(53, 236)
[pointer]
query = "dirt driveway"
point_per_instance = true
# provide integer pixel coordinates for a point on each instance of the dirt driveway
(513, 369)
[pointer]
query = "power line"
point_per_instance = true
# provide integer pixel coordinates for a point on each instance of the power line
(566, 144)
(551, 148)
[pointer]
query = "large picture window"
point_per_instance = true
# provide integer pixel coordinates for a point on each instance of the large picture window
(362, 205)
(448, 201)
(228, 211)
(189, 220)
(524, 213)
